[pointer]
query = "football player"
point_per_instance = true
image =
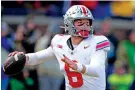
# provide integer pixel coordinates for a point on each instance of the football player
(81, 54)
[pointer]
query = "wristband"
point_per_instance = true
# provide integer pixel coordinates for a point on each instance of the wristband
(79, 67)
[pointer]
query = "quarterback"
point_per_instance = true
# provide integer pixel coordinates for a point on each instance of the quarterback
(81, 54)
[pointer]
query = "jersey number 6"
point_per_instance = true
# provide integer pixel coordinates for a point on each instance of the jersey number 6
(74, 75)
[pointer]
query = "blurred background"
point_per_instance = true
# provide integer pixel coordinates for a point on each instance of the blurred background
(29, 26)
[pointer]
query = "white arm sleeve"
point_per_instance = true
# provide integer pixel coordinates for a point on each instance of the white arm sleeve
(41, 56)
(97, 64)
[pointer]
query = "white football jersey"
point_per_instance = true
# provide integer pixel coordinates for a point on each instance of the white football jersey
(82, 54)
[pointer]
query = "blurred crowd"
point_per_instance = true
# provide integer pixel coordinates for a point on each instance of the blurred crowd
(30, 37)
(100, 9)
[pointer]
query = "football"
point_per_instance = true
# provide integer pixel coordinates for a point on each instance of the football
(14, 64)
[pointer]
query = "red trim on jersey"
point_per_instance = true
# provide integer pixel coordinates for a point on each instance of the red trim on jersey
(84, 11)
(102, 45)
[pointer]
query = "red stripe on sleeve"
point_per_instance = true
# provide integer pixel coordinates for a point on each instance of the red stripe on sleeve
(101, 45)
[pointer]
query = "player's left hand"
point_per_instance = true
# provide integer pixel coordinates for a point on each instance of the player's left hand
(69, 62)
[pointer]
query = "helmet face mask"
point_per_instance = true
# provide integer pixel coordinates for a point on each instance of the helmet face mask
(83, 27)
(74, 13)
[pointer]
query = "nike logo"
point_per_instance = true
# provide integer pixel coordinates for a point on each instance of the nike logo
(86, 46)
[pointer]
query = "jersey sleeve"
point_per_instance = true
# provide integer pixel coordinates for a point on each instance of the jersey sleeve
(43, 55)
(97, 60)
(40, 56)
(97, 64)
(102, 43)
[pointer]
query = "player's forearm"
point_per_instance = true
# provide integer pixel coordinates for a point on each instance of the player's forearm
(31, 59)
(96, 66)
(92, 70)
(39, 57)
(89, 70)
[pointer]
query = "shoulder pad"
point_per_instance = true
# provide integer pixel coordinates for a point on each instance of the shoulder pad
(102, 43)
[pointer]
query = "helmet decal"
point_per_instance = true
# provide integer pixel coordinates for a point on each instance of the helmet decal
(84, 10)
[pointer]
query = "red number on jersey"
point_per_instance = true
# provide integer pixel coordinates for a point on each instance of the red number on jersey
(72, 74)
